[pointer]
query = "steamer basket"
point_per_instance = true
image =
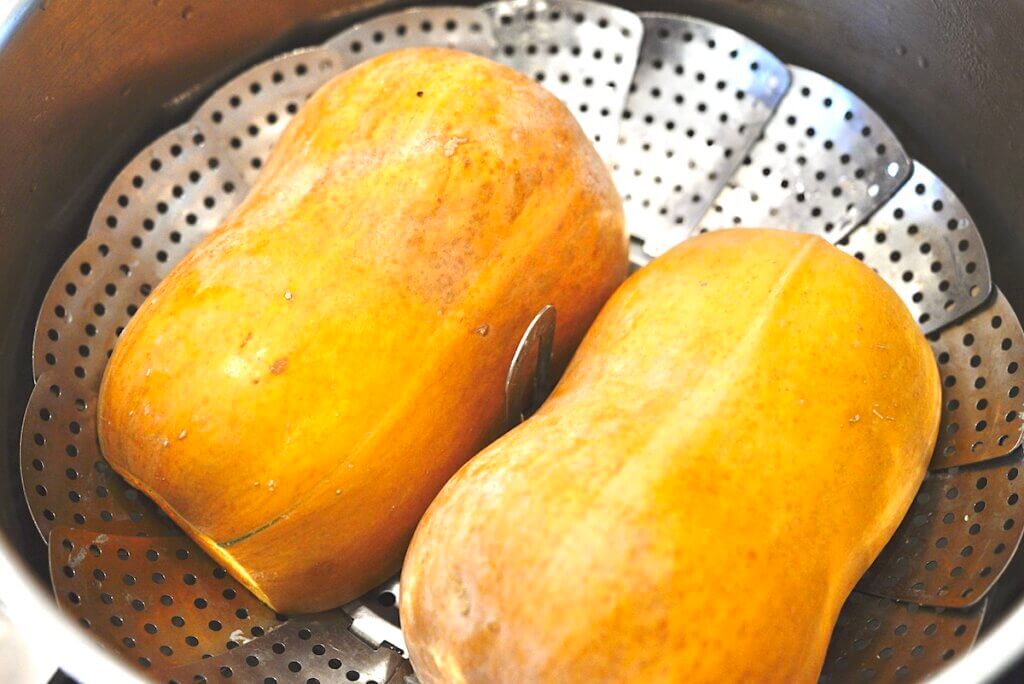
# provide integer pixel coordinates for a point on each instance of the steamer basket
(703, 129)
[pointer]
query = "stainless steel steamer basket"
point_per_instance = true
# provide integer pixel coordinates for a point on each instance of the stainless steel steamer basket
(703, 128)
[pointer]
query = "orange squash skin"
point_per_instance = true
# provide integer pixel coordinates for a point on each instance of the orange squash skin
(302, 384)
(737, 437)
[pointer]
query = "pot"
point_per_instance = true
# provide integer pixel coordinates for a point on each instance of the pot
(85, 87)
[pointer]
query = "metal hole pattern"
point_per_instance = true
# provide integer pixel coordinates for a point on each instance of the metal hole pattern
(464, 28)
(248, 114)
(957, 538)
(583, 52)
(160, 602)
(979, 363)
(66, 481)
(699, 98)
(825, 162)
(924, 243)
(169, 180)
(167, 199)
(876, 639)
(312, 649)
(151, 216)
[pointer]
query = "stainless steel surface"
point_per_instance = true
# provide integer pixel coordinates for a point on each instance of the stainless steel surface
(47, 639)
(173, 192)
(698, 100)
(148, 198)
(876, 639)
(318, 647)
(234, 130)
(66, 480)
(583, 52)
(465, 28)
(164, 201)
(158, 601)
(979, 360)
(529, 376)
(537, 37)
(375, 616)
(940, 275)
(990, 658)
(957, 538)
(825, 162)
(246, 116)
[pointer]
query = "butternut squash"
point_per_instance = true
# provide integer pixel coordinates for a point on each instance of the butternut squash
(737, 437)
(303, 383)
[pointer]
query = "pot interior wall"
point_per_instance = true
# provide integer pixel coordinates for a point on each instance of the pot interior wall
(85, 87)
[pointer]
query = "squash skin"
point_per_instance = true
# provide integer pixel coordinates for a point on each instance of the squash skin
(301, 385)
(736, 439)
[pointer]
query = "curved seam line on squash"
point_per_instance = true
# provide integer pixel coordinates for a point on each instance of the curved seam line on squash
(252, 532)
(250, 584)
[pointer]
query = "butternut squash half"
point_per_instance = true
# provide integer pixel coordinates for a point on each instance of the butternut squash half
(737, 437)
(303, 383)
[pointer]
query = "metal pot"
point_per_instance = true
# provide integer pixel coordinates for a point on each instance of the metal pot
(84, 87)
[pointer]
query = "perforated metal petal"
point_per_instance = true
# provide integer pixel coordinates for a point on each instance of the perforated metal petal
(826, 161)
(583, 52)
(878, 640)
(179, 176)
(825, 180)
(924, 243)
(980, 363)
(315, 648)
(249, 113)
(159, 601)
(957, 538)
(167, 198)
(66, 480)
(699, 98)
(462, 28)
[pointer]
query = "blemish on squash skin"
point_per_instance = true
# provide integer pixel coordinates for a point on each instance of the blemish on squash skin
(878, 414)
(452, 145)
(461, 595)
(248, 337)
(279, 366)
(482, 330)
